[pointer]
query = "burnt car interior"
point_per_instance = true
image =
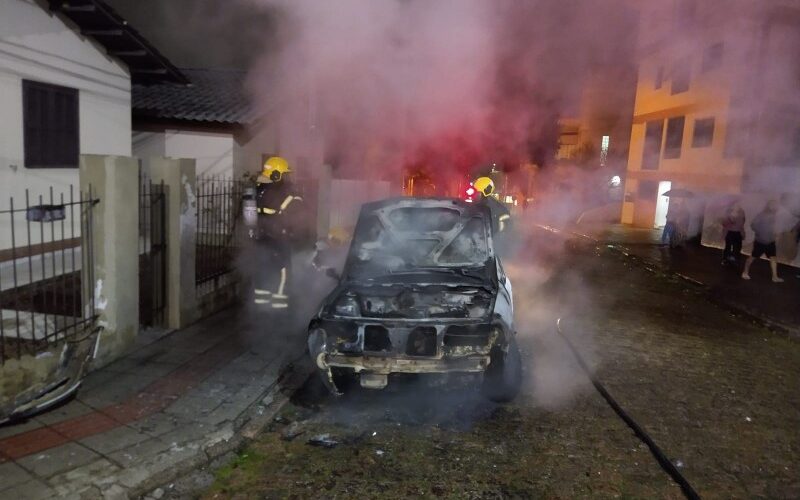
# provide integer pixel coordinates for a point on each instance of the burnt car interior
(419, 294)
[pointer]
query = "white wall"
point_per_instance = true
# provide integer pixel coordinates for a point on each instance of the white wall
(213, 151)
(39, 46)
(148, 145)
(347, 196)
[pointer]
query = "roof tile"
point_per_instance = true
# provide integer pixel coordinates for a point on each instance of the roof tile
(214, 95)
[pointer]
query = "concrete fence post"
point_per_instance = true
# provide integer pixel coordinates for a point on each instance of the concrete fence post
(115, 236)
(179, 177)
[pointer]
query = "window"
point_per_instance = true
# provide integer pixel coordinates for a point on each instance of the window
(652, 144)
(703, 133)
(659, 77)
(681, 74)
(674, 137)
(605, 142)
(712, 57)
(50, 124)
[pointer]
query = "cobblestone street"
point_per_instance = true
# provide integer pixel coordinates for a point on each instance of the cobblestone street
(718, 394)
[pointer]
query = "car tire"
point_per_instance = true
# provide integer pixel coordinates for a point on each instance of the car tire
(503, 376)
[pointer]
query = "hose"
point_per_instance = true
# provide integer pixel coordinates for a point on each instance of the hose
(657, 453)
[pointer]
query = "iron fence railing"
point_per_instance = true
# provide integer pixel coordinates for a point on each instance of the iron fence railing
(219, 209)
(46, 272)
(152, 251)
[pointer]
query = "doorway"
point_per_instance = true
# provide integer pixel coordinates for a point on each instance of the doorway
(662, 204)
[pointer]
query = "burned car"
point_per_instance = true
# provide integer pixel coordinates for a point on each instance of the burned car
(422, 291)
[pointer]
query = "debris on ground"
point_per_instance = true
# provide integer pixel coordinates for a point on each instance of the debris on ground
(379, 452)
(324, 441)
(292, 431)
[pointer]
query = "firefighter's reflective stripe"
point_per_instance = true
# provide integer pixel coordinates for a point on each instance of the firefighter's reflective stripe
(502, 220)
(268, 211)
(261, 301)
(286, 202)
(280, 306)
(279, 294)
(262, 292)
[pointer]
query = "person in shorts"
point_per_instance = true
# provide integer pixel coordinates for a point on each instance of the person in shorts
(765, 235)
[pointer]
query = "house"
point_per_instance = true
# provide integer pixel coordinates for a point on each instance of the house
(211, 119)
(717, 107)
(66, 69)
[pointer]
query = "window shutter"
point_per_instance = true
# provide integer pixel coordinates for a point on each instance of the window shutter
(50, 125)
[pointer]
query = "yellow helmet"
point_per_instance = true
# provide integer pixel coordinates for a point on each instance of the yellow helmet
(274, 168)
(484, 185)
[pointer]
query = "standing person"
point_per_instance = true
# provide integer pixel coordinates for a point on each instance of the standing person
(681, 225)
(278, 218)
(671, 227)
(733, 227)
(764, 228)
(500, 213)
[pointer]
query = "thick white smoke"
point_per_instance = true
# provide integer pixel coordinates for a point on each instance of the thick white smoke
(459, 82)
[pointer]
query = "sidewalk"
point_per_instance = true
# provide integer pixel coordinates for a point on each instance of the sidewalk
(164, 409)
(775, 303)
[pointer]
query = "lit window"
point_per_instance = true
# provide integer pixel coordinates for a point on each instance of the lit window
(604, 143)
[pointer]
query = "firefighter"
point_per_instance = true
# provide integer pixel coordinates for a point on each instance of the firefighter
(276, 228)
(500, 213)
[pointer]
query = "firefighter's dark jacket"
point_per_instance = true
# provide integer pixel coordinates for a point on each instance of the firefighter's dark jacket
(500, 213)
(277, 205)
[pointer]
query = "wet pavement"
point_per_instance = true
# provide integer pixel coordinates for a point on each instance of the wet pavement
(717, 392)
(777, 304)
(171, 405)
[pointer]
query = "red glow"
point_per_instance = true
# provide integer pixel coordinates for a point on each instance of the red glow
(470, 191)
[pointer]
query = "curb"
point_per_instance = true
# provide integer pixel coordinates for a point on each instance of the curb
(182, 459)
(245, 428)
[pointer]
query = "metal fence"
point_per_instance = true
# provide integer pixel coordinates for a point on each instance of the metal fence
(152, 252)
(219, 210)
(45, 258)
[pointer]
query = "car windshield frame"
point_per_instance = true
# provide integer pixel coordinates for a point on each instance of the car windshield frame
(394, 231)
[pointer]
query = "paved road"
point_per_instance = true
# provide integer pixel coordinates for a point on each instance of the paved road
(720, 396)
(777, 303)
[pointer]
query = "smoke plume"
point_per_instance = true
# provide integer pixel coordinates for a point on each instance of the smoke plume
(455, 83)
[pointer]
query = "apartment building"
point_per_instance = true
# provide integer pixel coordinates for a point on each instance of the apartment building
(717, 106)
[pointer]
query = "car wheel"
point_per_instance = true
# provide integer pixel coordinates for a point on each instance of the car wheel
(503, 377)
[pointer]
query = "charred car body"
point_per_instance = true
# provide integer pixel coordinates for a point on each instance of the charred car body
(422, 291)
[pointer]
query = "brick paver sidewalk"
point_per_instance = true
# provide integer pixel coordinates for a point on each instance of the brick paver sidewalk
(777, 303)
(135, 421)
